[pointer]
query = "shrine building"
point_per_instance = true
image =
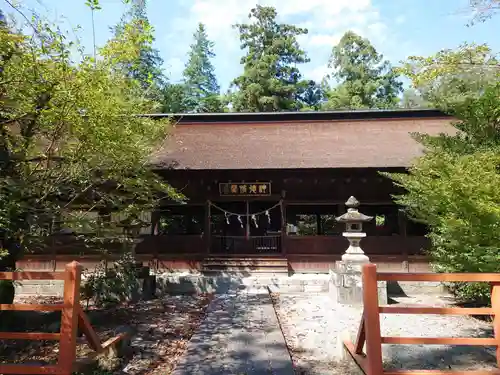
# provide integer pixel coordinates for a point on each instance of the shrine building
(265, 188)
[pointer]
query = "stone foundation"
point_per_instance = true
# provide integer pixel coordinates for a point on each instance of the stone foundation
(45, 288)
(332, 283)
(345, 288)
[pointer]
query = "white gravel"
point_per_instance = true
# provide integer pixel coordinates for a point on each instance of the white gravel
(313, 325)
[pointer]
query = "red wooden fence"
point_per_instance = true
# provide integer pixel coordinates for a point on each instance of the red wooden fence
(369, 330)
(72, 318)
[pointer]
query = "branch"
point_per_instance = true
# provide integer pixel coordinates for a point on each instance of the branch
(23, 15)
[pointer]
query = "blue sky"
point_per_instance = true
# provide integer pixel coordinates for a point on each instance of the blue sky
(397, 28)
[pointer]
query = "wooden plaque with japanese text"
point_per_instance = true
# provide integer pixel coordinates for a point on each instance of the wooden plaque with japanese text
(245, 189)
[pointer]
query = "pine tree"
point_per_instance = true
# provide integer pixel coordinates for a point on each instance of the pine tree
(202, 89)
(271, 81)
(365, 79)
(147, 67)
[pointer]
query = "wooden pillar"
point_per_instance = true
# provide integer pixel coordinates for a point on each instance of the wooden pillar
(283, 226)
(402, 220)
(495, 305)
(372, 321)
(247, 223)
(155, 222)
(69, 318)
(208, 227)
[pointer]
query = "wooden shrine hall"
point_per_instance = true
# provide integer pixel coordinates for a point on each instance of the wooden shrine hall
(267, 187)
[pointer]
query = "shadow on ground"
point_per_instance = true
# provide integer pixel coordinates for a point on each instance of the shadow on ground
(240, 335)
(443, 357)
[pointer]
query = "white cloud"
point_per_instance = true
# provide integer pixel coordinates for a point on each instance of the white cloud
(400, 19)
(326, 21)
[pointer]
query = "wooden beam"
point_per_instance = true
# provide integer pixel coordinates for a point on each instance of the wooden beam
(469, 341)
(436, 310)
(29, 307)
(28, 369)
(88, 331)
(35, 336)
(35, 275)
(443, 277)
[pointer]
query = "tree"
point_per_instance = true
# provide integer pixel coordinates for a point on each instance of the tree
(174, 98)
(455, 189)
(271, 80)
(71, 139)
(364, 79)
(202, 89)
(412, 99)
(311, 95)
(452, 76)
(146, 63)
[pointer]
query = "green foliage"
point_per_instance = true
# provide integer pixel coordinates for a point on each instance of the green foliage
(311, 95)
(455, 190)
(71, 135)
(452, 76)
(133, 50)
(202, 89)
(174, 98)
(412, 99)
(364, 79)
(271, 80)
(107, 286)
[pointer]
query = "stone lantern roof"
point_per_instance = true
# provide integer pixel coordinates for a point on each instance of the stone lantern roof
(352, 214)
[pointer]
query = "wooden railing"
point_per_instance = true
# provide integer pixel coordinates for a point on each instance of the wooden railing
(72, 318)
(369, 330)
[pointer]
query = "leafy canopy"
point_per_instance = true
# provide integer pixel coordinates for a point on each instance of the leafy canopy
(71, 135)
(455, 190)
(451, 76)
(271, 79)
(365, 79)
(145, 63)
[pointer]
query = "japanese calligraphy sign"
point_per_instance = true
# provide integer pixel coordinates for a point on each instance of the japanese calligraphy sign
(238, 189)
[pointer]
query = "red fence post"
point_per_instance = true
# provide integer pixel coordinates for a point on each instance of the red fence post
(69, 318)
(372, 321)
(495, 305)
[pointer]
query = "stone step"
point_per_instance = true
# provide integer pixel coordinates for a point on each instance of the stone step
(236, 268)
(246, 263)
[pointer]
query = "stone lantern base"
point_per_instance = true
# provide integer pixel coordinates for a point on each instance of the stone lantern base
(346, 286)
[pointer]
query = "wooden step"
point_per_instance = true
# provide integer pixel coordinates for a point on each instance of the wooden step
(245, 264)
(267, 270)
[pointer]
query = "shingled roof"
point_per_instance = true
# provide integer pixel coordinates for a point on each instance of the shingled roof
(347, 139)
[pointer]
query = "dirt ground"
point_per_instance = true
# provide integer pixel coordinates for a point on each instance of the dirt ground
(161, 329)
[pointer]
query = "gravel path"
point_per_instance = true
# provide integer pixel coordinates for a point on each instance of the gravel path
(239, 336)
(313, 324)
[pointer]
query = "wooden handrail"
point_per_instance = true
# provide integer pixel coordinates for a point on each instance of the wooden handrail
(72, 318)
(440, 277)
(369, 329)
(34, 275)
(29, 307)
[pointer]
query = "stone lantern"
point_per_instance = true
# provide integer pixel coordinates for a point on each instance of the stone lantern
(346, 286)
(354, 220)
